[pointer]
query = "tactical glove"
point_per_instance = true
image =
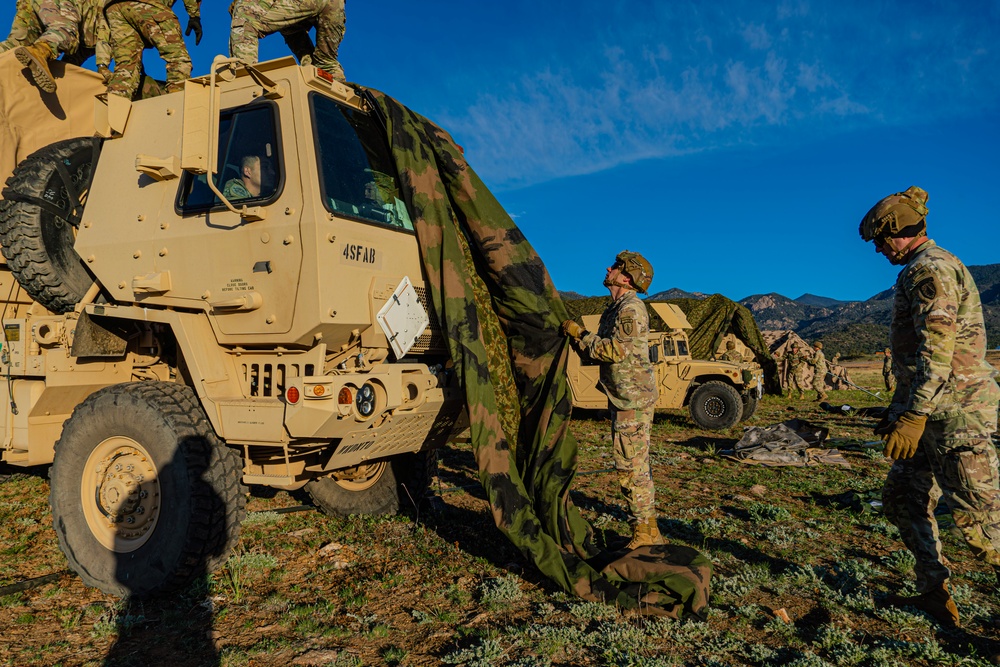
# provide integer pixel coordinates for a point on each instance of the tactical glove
(105, 73)
(902, 440)
(572, 329)
(194, 23)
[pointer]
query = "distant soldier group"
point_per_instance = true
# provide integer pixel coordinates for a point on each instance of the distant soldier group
(44, 30)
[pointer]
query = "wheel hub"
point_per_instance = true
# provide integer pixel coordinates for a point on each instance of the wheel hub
(360, 478)
(120, 492)
(715, 407)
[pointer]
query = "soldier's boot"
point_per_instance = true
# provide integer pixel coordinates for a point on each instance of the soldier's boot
(36, 57)
(802, 396)
(937, 602)
(822, 396)
(646, 533)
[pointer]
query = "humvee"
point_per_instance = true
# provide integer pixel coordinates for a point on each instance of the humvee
(165, 344)
(718, 394)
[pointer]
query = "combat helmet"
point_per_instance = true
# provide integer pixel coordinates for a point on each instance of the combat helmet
(730, 344)
(637, 268)
(904, 212)
(818, 345)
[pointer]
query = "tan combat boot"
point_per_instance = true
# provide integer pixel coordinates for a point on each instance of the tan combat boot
(36, 58)
(646, 533)
(937, 602)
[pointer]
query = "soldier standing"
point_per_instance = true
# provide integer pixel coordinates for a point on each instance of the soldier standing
(135, 24)
(944, 408)
(887, 376)
(254, 19)
(818, 362)
(796, 367)
(731, 354)
(621, 344)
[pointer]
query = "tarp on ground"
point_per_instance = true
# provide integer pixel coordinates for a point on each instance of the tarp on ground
(528, 473)
(714, 317)
(31, 119)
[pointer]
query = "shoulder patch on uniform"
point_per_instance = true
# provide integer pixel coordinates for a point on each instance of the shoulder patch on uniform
(927, 289)
(627, 325)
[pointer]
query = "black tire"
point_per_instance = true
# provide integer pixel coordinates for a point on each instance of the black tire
(750, 401)
(716, 406)
(128, 443)
(381, 487)
(39, 216)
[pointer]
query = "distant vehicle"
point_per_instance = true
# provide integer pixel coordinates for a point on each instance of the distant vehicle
(718, 394)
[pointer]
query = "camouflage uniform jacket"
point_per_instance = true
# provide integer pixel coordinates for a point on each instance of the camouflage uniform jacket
(732, 356)
(235, 189)
(622, 345)
(938, 339)
(818, 362)
(887, 365)
(193, 7)
(796, 361)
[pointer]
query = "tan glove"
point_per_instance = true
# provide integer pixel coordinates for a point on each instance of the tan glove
(105, 73)
(572, 329)
(902, 440)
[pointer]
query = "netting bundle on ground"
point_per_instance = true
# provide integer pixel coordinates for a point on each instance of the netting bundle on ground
(528, 474)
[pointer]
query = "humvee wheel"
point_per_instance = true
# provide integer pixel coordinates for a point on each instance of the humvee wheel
(40, 213)
(715, 406)
(374, 488)
(144, 496)
(750, 401)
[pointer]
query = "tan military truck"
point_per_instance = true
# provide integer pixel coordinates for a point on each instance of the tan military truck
(221, 288)
(718, 394)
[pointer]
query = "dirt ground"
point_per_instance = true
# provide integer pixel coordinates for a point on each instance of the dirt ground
(439, 584)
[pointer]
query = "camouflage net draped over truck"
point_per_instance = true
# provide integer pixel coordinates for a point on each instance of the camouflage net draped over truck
(527, 481)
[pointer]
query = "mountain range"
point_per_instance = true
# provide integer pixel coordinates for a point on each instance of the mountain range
(849, 327)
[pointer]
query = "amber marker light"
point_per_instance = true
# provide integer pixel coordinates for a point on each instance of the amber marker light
(319, 390)
(345, 397)
(292, 395)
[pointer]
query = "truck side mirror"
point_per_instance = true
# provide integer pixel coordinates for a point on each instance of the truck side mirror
(654, 353)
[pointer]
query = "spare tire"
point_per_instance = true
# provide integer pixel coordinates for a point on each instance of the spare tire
(39, 216)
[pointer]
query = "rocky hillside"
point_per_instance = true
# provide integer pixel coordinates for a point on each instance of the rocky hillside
(850, 327)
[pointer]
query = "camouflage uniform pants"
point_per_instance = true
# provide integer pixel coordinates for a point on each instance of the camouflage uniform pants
(254, 19)
(890, 381)
(60, 23)
(630, 431)
(136, 25)
(24, 30)
(796, 381)
(957, 460)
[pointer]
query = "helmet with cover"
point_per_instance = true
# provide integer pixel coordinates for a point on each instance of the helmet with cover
(900, 214)
(637, 268)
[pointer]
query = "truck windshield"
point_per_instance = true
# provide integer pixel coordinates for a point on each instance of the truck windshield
(357, 174)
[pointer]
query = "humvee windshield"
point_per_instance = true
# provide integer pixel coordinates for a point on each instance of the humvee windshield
(357, 174)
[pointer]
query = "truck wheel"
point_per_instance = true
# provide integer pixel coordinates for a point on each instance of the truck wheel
(749, 405)
(378, 487)
(145, 498)
(715, 406)
(39, 216)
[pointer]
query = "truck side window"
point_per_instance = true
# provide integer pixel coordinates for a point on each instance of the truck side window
(357, 175)
(248, 170)
(682, 348)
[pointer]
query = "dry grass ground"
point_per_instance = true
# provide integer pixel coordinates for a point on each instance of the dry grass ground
(440, 585)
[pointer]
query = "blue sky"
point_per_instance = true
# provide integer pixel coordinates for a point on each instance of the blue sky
(735, 144)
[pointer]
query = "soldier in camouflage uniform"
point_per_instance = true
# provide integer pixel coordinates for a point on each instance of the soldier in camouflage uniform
(134, 25)
(887, 375)
(731, 355)
(796, 369)
(45, 29)
(818, 362)
(254, 19)
(92, 32)
(256, 179)
(621, 344)
(944, 408)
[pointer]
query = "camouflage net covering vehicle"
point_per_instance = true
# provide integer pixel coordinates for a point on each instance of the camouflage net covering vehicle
(718, 394)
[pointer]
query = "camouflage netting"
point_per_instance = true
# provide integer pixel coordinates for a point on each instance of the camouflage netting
(528, 474)
(710, 319)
